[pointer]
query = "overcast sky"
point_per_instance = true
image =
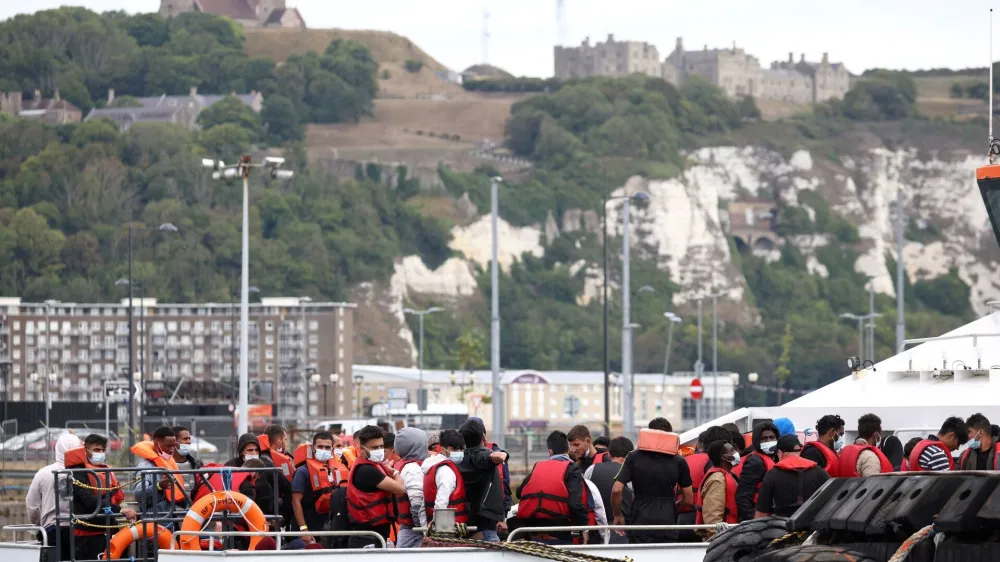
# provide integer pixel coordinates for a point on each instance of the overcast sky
(862, 34)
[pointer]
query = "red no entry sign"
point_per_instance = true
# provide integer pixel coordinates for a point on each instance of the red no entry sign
(697, 391)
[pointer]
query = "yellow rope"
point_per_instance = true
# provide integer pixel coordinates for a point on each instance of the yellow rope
(787, 537)
(95, 526)
(528, 548)
(111, 489)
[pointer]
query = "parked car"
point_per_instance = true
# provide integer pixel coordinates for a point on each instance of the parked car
(203, 446)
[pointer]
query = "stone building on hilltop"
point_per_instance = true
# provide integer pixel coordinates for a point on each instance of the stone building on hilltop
(248, 13)
(733, 70)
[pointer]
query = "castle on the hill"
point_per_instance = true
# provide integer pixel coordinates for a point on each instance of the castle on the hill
(733, 70)
(248, 13)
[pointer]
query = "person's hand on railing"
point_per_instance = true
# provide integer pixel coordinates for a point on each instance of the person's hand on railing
(502, 527)
(619, 520)
(129, 514)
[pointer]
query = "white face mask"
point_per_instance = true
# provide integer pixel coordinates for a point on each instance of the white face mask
(97, 458)
(250, 457)
(768, 446)
(456, 456)
(183, 449)
(839, 443)
(338, 452)
(736, 459)
(323, 455)
(378, 455)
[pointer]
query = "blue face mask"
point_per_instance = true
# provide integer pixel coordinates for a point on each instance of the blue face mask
(839, 443)
(974, 443)
(456, 456)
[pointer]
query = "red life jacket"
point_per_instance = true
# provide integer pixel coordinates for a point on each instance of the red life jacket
(795, 463)
(489, 447)
(849, 460)
(603, 456)
(371, 509)
(731, 514)
(995, 458)
(914, 459)
(77, 458)
(403, 509)
(696, 465)
(545, 496)
(456, 500)
(768, 465)
(832, 463)
(280, 459)
(217, 483)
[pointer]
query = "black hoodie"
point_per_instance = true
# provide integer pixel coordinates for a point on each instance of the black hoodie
(264, 490)
(753, 473)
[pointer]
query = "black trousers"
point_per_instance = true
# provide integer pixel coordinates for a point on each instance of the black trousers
(90, 547)
(63, 553)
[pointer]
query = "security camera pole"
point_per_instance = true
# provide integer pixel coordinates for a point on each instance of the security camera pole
(242, 169)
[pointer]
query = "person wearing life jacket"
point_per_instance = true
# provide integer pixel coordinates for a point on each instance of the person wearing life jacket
(248, 448)
(698, 465)
(907, 449)
(553, 493)
(317, 475)
(716, 501)
(793, 480)
(581, 448)
(372, 488)
(752, 469)
(864, 458)
(983, 450)
(273, 451)
(601, 445)
(353, 452)
(390, 448)
(602, 475)
(934, 453)
(830, 440)
(91, 541)
(185, 457)
(654, 472)
(159, 493)
(504, 471)
(444, 487)
(411, 445)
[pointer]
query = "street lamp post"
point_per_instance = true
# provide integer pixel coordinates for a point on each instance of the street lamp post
(860, 319)
(303, 301)
(421, 400)
(232, 353)
(242, 169)
(499, 425)
(671, 320)
(628, 406)
(357, 390)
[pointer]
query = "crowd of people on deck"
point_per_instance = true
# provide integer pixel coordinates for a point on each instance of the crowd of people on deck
(392, 483)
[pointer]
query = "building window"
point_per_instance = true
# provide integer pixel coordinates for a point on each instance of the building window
(83, 370)
(269, 339)
(313, 339)
(109, 369)
(268, 367)
(185, 326)
(313, 353)
(171, 326)
(199, 340)
(268, 354)
(199, 368)
(17, 354)
(199, 326)
(313, 325)
(340, 353)
(228, 326)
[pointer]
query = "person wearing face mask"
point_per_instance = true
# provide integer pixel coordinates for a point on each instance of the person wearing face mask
(159, 493)
(91, 541)
(185, 456)
(371, 488)
(982, 450)
(444, 487)
(793, 480)
(864, 458)
(830, 440)
(411, 444)
(716, 501)
(318, 475)
(273, 443)
(934, 453)
(751, 471)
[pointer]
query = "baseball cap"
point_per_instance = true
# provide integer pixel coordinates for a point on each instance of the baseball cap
(789, 444)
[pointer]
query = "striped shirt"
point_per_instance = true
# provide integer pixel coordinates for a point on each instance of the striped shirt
(934, 458)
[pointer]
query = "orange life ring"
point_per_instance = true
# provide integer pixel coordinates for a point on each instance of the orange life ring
(233, 502)
(122, 539)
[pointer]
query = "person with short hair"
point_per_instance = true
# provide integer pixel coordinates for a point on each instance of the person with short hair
(94, 492)
(864, 458)
(159, 493)
(716, 502)
(504, 471)
(273, 451)
(581, 448)
(654, 477)
(314, 483)
(185, 456)
(444, 487)
(390, 448)
(754, 467)
(603, 476)
(480, 468)
(829, 441)
(983, 452)
(793, 480)
(934, 453)
(601, 444)
(371, 488)
(553, 494)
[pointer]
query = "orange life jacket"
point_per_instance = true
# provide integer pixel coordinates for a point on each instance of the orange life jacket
(77, 458)
(832, 463)
(404, 515)
(324, 478)
(456, 500)
(545, 496)
(350, 455)
(371, 509)
(147, 450)
(731, 514)
(280, 459)
(795, 463)
(914, 460)
(849, 460)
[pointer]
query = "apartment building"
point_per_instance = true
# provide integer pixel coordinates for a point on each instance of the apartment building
(540, 400)
(186, 352)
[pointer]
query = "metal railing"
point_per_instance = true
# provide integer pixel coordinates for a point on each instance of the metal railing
(717, 527)
(277, 535)
(15, 529)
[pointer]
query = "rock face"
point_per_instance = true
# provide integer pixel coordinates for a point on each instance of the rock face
(685, 228)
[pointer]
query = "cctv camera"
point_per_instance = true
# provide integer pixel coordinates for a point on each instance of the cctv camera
(274, 161)
(282, 174)
(854, 364)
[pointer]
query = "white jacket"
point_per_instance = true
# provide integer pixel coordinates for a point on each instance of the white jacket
(413, 481)
(445, 480)
(600, 514)
(41, 498)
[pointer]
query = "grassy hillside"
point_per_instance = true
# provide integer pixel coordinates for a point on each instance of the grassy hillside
(385, 46)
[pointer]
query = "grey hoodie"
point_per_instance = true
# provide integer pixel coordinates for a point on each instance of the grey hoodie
(41, 499)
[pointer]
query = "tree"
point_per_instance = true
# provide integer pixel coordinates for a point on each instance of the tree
(469, 351)
(281, 120)
(231, 110)
(782, 373)
(413, 65)
(226, 142)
